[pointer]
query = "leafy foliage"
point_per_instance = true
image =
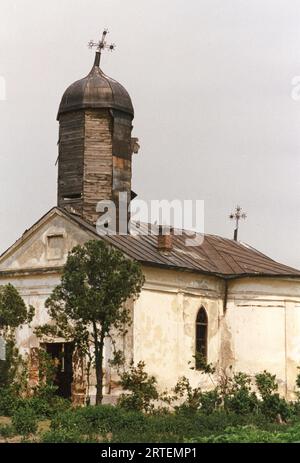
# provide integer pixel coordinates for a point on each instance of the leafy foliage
(239, 396)
(24, 421)
(142, 389)
(13, 314)
(113, 424)
(96, 282)
(7, 431)
(272, 405)
(266, 383)
(47, 406)
(202, 364)
(57, 436)
(189, 397)
(13, 310)
(8, 401)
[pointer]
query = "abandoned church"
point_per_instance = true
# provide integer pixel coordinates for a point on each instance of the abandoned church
(223, 298)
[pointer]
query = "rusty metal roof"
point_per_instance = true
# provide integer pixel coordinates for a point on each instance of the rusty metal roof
(215, 255)
(95, 91)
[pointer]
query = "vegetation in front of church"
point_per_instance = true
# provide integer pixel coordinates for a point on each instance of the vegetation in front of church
(86, 307)
(107, 423)
(234, 411)
(89, 303)
(24, 406)
(13, 314)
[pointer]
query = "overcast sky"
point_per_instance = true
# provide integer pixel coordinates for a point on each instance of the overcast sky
(211, 85)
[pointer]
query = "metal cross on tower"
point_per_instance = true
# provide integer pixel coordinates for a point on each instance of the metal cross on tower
(101, 45)
(237, 215)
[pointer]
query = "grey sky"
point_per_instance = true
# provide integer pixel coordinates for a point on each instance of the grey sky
(210, 81)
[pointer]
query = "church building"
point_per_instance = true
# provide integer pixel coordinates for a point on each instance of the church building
(236, 306)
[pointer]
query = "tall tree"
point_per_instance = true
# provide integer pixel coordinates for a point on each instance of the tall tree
(90, 300)
(13, 314)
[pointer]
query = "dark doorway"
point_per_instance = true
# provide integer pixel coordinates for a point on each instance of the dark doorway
(62, 353)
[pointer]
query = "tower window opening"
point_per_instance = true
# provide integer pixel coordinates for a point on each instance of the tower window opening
(72, 197)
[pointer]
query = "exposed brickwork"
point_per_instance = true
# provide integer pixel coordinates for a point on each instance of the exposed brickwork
(33, 367)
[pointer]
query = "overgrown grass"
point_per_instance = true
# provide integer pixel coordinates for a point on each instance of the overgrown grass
(251, 434)
(232, 412)
(112, 424)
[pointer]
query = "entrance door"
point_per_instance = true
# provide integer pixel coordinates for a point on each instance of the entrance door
(62, 353)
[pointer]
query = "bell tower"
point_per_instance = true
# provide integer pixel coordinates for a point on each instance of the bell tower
(95, 145)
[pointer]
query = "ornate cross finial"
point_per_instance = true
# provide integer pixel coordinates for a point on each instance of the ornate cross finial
(237, 215)
(101, 45)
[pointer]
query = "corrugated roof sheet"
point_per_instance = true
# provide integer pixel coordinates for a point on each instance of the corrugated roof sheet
(215, 255)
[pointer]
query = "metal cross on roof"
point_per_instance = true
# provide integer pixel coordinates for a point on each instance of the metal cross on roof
(237, 215)
(101, 45)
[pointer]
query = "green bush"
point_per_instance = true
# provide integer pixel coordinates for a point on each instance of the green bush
(63, 436)
(210, 401)
(272, 405)
(107, 423)
(176, 427)
(266, 383)
(275, 407)
(251, 434)
(153, 428)
(7, 431)
(189, 397)
(9, 401)
(141, 386)
(239, 434)
(46, 408)
(71, 420)
(24, 421)
(238, 396)
(100, 419)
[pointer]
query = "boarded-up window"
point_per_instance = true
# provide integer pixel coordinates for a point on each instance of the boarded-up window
(55, 247)
(201, 338)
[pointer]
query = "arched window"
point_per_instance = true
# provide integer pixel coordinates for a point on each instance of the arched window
(201, 337)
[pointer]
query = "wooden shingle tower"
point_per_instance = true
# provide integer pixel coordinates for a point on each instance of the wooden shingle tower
(95, 145)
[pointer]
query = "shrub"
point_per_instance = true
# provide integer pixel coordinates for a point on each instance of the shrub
(194, 399)
(190, 397)
(107, 423)
(46, 408)
(57, 436)
(240, 434)
(266, 383)
(153, 428)
(7, 431)
(142, 389)
(175, 427)
(127, 419)
(272, 405)
(9, 401)
(239, 397)
(24, 421)
(70, 420)
(275, 407)
(100, 419)
(210, 401)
